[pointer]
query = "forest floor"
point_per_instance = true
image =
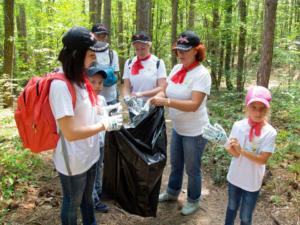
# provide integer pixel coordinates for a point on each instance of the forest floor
(41, 206)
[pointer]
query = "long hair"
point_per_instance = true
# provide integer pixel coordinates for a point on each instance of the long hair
(201, 50)
(73, 64)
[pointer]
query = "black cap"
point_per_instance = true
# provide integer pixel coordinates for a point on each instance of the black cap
(80, 38)
(140, 37)
(187, 40)
(99, 29)
(97, 68)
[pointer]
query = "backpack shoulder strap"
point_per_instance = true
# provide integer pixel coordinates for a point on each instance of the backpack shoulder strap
(111, 56)
(157, 63)
(61, 76)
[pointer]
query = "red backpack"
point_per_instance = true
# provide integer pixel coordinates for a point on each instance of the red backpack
(33, 116)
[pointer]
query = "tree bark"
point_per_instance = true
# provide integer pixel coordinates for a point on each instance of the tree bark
(228, 42)
(107, 15)
(264, 71)
(8, 47)
(174, 27)
(242, 44)
(92, 11)
(143, 15)
(98, 11)
(254, 29)
(22, 32)
(214, 46)
(191, 22)
(121, 38)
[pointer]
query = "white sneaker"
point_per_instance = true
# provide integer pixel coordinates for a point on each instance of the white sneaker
(189, 208)
(163, 197)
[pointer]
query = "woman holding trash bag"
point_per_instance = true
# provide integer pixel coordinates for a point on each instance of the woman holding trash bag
(185, 94)
(145, 74)
(77, 150)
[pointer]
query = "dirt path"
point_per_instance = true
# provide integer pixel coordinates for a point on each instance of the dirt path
(42, 205)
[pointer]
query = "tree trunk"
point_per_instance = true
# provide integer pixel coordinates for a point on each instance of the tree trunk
(254, 29)
(214, 47)
(174, 27)
(98, 11)
(92, 11)
(121, 38)
(107, 16)
(22, 33)
(143, 15)
(8, 48)
(264, 71)
(242, 44)
(228, 42)
(191, 15)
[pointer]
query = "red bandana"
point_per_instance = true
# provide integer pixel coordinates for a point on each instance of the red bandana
(137, 65)
(90, 90)
(255, 128)
(180, 75)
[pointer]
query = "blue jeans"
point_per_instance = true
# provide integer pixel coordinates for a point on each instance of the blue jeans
(186, 151)
(237, 197)
(77, 192)
(99, 175)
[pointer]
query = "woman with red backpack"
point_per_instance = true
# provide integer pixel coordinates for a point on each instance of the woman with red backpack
(77, 150)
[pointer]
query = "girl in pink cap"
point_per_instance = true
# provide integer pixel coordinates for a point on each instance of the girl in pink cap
(251, 143)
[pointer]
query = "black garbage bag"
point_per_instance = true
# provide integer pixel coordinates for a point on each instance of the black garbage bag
(134, 161)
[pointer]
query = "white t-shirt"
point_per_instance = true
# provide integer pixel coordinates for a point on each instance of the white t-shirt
(147, 77)
(82, 153)
(197, 79)
(243, 172)
(101, 103)
(109, 93)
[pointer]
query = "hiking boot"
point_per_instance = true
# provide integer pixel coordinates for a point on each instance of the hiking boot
(189, 208)
(164, 197)
(101, 207)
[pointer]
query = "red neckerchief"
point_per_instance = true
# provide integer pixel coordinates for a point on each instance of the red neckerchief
(180, 75)
(255, 128)
(92, 94)
(137, 65)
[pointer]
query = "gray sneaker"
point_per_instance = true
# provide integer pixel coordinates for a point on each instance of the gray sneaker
(189, 208)
(164, 197)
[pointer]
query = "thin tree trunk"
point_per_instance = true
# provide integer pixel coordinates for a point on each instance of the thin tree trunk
(174, 27)
(214, 47)
(92, 11)
(228, 40)
(191, 15)
(8, 48)
(242, 44)
(22, 32)
(254, 29)
(264, 71)
(83, 11)
(143, 15)
(107, 15)
(98, 11)
(121, 37)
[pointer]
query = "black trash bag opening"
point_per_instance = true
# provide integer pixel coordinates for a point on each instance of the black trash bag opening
(134, 162)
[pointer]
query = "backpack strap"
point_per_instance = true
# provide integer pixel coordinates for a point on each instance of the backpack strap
(111, 56)
(129, 62)
(157, 63)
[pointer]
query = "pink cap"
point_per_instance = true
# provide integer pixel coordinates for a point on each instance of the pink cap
(258, 94)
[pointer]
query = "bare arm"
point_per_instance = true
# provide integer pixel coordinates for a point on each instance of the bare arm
(72, 132)
(261, 158)
(126, 87)
(183, 105)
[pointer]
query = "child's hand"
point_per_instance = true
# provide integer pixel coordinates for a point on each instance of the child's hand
(235, 145)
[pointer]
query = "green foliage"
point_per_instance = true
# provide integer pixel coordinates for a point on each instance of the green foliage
(18, 167)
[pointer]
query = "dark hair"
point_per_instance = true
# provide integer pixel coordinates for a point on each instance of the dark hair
(73, 64)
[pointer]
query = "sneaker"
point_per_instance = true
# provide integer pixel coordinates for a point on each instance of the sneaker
(101, 207)
(189, 208)
(164, 197)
